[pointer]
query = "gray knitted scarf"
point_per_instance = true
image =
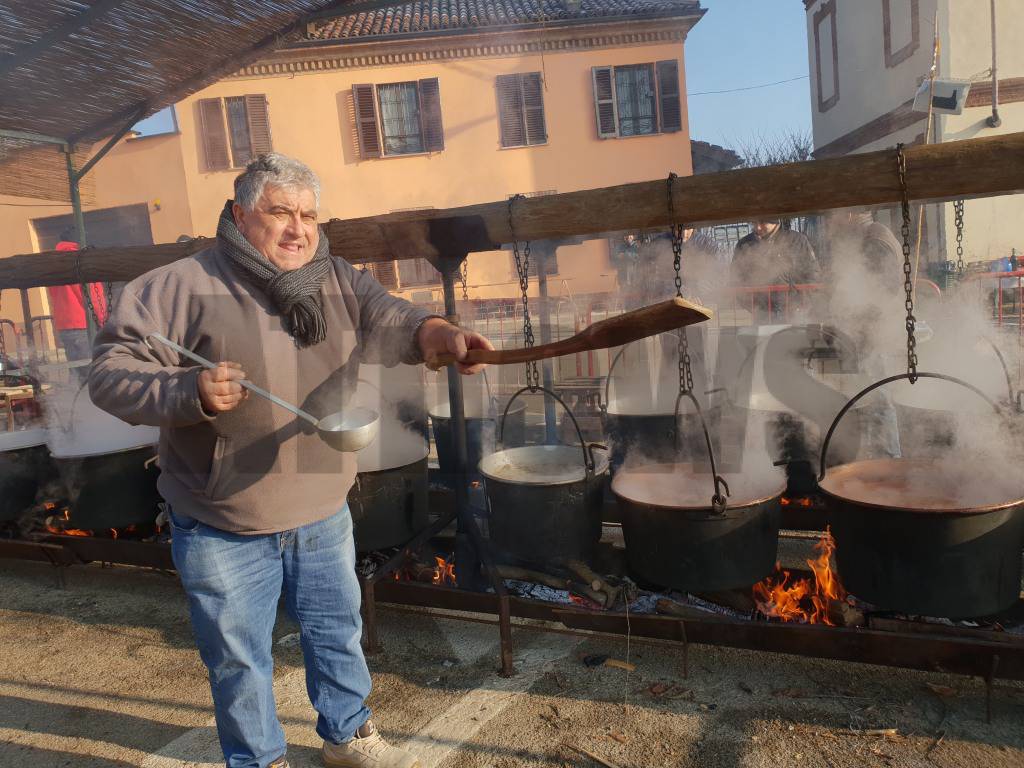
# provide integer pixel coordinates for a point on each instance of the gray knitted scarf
(295, 293)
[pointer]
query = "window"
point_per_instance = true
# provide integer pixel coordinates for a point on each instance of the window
(901, 29)
(521, 109)
(826, 56)
(398, 118)
(637, 99)
(386, 274)
(234, 130)
(417, 272)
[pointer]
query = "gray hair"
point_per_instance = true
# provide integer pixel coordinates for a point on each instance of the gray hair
(277, 170)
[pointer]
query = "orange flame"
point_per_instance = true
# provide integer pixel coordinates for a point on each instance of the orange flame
(804, 501)
(800, 601)
(444, 570)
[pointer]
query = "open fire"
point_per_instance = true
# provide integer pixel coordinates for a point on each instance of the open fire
(807, 600)
(441, 573)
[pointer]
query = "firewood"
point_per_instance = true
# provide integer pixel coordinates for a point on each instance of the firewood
(597, 583)
(738, 600)
(842, 614)
(555, 582)
(618, 664)
(667, 607)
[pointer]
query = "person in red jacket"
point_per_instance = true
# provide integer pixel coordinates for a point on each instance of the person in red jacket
(68, 310)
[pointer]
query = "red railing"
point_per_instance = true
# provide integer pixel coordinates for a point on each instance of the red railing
(999, 294)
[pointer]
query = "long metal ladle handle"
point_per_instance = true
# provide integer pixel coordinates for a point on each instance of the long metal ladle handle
(247, 384)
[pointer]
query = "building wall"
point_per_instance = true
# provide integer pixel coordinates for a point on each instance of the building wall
(868, 88)
(872, 91)
(141, 170)
(311, 118)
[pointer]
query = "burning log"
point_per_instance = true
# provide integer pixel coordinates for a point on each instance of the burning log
(807, 601)
(667, 607)
(555, 582)
(842, 614)
(597, 583)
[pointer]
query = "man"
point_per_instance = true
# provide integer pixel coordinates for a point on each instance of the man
(256, 500)
(773, 255)
(68, 309)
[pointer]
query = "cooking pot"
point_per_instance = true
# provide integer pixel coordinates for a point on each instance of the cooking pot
(636, 426)
(924, 536)
(481, 426)
(24, 466)
(544, 501)
(104, 463)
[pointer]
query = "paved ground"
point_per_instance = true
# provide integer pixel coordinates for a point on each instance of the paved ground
(104, 673)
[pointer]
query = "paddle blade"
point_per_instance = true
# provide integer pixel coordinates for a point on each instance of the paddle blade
(644, 322)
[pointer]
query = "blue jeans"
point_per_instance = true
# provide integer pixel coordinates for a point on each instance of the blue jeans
(233, 584)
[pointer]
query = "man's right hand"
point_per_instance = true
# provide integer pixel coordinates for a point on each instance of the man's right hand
(219, 388)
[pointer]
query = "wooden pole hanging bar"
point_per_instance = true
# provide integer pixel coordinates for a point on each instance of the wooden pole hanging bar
(983, 167)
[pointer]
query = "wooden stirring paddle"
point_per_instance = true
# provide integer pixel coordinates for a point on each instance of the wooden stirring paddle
(611, 332)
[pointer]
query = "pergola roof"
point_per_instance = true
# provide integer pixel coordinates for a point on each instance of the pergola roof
(80, 69)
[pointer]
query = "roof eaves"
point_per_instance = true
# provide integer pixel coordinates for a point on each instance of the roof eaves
(693, 14)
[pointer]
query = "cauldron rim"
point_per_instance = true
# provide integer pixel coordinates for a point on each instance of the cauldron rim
(571, 452)
(26, 438)
(93, 454)
(924, 511)
(424, 450)
(732, 505)
(443, 410)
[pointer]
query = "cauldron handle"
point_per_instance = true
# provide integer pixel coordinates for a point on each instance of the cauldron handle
(588, 458)
(608, 377)
(881, 383)
(719, 501)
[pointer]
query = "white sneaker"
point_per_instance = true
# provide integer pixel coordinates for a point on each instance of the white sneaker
(367, 749)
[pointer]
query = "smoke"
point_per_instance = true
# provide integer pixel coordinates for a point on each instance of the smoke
(77, 428)
(398, 395)
(781, 386)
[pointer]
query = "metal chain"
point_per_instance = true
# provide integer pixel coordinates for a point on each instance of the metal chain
(958, 214)
(523, 272)
(683, 356)
(3, 346)
(463, 275)
(908, 285)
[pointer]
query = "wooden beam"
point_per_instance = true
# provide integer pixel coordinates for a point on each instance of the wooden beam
(973, 168)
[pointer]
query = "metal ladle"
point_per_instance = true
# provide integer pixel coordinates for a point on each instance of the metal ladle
(350, 430)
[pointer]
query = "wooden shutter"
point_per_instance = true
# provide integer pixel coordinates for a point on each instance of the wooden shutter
(386, 274)
(533, 106)
(430, 115)
(367, 132)
(512, 124)
(259, 123)
(215, 137)
(604, 103)
(669, 108)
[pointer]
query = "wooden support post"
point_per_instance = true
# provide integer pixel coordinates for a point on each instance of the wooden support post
(982, 167)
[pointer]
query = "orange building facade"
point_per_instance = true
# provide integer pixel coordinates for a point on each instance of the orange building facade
(416, 113)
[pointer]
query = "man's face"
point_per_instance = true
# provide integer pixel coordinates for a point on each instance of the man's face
(282, 226)
(765, 228)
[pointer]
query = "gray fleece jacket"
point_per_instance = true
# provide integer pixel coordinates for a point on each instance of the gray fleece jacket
(257, 468)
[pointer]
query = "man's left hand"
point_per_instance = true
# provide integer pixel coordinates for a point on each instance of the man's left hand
(437, 336)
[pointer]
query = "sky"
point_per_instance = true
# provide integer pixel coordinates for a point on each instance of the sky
(738, 44)
(742, 43)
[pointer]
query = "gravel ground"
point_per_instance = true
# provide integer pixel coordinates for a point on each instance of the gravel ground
(104, 673)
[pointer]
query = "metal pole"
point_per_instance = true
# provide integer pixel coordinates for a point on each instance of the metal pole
(544, 254)
(467, 560)
(76, 209)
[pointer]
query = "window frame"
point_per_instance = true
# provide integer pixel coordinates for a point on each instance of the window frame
(379, 103)
(225, 124)
(425, 113)
(658, 96)
(523, 109)
(895, 58)
(826, 12)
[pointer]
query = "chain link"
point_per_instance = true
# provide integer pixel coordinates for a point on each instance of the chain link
(3, 346)
(908, 285)
(523, 272)
(958, 214)
(463, 275)
(683, 356)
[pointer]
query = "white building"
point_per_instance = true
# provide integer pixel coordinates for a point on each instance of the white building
(867, 59)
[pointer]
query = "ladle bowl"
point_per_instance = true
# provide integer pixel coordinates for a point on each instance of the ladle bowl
(347, 431)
